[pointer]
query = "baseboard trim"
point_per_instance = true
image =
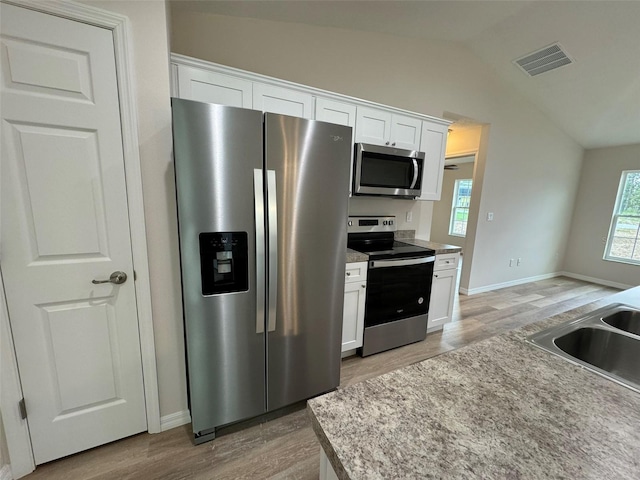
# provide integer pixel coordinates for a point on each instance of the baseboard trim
(173, 420)
(512, 283)
(599, 281)
(5, 472)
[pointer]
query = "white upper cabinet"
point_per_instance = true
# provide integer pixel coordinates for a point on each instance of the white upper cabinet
(384, 128)
(433, 144)
(342, 114)
(335, 112)
(211, 87)
(373, 126)
(405, 132)
(285, 101)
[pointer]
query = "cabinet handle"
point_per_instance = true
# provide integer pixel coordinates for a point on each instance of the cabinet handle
(393, 144)
(348, 274)
(387, 143)
(436, 276)
(364, 286)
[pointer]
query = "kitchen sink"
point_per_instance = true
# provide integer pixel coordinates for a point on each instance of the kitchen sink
(606, 341)
(627, 320)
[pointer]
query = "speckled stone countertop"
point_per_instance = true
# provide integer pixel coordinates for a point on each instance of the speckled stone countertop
(353, 256)
(499, 408)
(440, 248)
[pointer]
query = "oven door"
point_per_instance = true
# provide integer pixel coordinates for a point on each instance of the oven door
(397, 289)
(387, 171)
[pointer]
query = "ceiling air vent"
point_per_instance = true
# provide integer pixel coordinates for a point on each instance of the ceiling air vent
(543, 60)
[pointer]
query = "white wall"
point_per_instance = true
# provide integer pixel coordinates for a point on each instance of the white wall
(442, 209)
(592, 215)
(4, 452)
(151, 63)
(532, 168)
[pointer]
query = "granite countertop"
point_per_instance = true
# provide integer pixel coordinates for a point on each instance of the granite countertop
(499, 408)
(440, 248)
(353, 256)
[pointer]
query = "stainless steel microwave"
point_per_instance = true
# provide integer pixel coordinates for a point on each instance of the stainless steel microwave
(387, 171)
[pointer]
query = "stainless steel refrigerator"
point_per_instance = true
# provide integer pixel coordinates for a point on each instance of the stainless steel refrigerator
(262, 209)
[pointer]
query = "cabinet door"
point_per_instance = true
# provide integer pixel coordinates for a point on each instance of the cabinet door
(204, 86)
(405, 132)
(341, 114)
(442, 296)
(373, 126)
(433, 144)
(269, 98)
(335, 112)
(353, 316)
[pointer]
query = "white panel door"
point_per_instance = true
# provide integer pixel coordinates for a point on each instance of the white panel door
(353, 315)
(335, 112)
(65, 223)
(442, 296)
(268, 98)
(405, 132)
(433, 144)
(339, 113)
(210, 87)
(373, 126)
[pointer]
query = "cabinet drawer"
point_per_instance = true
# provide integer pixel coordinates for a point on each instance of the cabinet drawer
(356, 272)
(446, 261)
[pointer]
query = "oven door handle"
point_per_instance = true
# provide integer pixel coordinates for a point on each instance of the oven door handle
(415, 174)
(401, 263)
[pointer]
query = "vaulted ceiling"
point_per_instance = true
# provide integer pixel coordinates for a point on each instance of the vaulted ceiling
(595, 99)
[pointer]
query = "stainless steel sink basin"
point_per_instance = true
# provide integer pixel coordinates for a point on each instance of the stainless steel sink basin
(606, 341)
(624, 319)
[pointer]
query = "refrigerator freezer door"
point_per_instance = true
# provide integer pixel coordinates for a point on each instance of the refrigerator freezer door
(311, 163)
(217, 150)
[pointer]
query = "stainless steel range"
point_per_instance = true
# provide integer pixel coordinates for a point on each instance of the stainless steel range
(398, 284)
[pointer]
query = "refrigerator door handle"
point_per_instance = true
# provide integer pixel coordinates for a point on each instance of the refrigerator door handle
(258, 196)
(272, 215)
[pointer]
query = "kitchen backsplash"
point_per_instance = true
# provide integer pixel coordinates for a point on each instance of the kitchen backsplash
(421, 212)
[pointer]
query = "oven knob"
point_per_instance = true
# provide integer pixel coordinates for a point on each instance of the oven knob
(390, 222)
(384, 223)
(350, 223)
(420, 301)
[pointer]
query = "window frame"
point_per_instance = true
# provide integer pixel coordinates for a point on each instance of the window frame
(614, 222)
(455, 208)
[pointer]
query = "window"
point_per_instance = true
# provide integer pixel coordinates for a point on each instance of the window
(460, 207)
(623, 244)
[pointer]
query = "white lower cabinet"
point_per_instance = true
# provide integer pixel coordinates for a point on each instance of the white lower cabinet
(443, 290)
(326, 469)
(355, 289)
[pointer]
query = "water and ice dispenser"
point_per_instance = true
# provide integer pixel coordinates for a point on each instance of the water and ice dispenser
(224, 262)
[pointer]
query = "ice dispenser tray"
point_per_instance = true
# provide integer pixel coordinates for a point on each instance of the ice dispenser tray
(224, 262)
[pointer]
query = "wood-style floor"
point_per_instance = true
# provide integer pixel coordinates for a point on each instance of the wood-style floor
(286, 447)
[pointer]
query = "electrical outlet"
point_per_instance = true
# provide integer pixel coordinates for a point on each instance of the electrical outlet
(489, 216)
(409, 216)
(519, 262)
(511, 262)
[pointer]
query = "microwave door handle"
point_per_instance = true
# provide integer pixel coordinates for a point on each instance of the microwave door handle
(415, 174)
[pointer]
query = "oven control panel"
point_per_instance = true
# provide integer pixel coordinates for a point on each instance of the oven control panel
(370, 223)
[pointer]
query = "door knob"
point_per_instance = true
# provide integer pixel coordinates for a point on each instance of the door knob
(116, 277)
